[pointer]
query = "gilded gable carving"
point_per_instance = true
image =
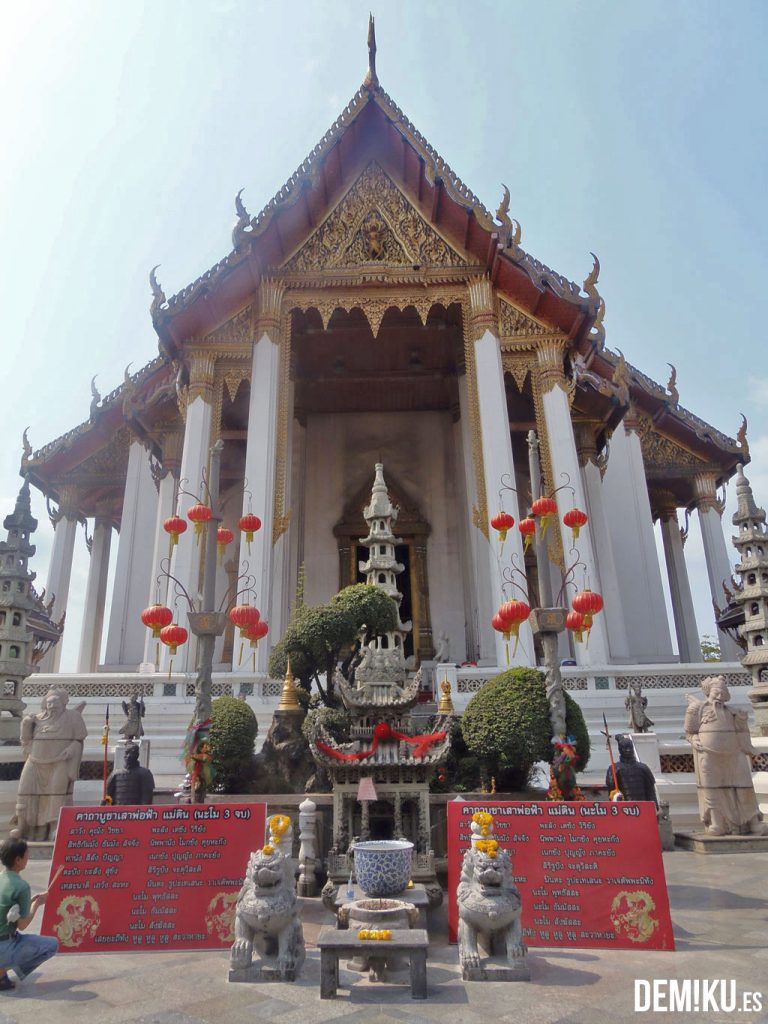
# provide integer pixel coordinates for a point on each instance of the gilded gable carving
(662, 451)
(374, 224)
(514, 323)
(236, 331)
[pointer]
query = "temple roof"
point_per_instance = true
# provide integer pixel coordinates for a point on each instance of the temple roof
(371, 127)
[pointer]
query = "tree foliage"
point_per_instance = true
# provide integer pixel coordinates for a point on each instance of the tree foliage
(318, 637)
(233, 732)
(506, 725)
(710, 649)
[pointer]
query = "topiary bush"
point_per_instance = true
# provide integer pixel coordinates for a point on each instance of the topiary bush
(233, 731)
(506, 726)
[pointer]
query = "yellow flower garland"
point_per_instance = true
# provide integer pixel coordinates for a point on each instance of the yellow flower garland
(484, 820)
(489, 846)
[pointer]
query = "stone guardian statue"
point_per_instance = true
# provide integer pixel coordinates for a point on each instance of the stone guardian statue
(721, 748)
(53, 743)
(636, 703)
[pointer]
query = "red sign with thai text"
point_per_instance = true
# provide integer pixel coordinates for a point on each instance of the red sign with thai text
(589, 874)
(148, 878)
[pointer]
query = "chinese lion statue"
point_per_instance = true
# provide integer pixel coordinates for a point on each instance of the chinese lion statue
(489, 908)
(266, 920)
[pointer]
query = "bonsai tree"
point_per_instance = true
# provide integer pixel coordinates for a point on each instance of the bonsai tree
(318, 637)
(506, 725)
(232, 735)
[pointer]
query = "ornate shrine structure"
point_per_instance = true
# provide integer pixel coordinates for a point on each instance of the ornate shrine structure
(386, 753)
(375, 310)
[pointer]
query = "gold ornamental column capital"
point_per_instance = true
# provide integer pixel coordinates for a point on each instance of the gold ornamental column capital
(202, 368)
(705, 493)
(549, 355)
(269, 309)
(482, 308)
(663, 505)
(69, 502)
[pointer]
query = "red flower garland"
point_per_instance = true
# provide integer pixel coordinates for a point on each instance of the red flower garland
(381, 733)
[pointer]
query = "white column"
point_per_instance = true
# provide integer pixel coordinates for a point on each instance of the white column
(591, 475)
(261, 456)
(498, 465)
(679, 587)
(158, 593)
(125, 638)
(95, 596)
(476, 580)
(565, 469)
(628, 510)
(60, 569)
(186, 555)
(719, 568)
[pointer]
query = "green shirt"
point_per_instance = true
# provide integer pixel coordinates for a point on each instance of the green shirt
(13, 889)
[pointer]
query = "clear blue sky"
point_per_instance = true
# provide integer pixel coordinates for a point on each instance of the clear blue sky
(633, 130)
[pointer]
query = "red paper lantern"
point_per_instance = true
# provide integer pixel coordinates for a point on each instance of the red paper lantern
(575, 519)
(155, 617)
(173, 636)
(514, 612)
(249, 524)
(245, 617)
(575, 622)
(223, 537)
(199, 514)
(175, 526)
(502, 522)
(508, 618)
(528, 529)
(257, 632)
(544, 506)
(588, 603)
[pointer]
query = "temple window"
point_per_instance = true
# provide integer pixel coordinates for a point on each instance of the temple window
(2, 618)
(764, 577)
(6, 586)
(754, 608)
(760, 551)
(382, 578)
(382, 549)
(758, 641)
(749, 552)
(751, 579)
(16, 618)
(20, 587)
(13, 651)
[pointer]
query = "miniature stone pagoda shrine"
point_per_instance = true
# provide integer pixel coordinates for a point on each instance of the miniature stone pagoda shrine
(386, 760)
(751, 542)
(26, 630)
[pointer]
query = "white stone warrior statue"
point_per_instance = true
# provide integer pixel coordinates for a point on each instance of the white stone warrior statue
(721, 748)
(636, 703)
(53, 742)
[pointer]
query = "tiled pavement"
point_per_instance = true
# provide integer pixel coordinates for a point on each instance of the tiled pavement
(719, 910)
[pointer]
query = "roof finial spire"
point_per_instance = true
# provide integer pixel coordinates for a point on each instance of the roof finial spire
(371, 80)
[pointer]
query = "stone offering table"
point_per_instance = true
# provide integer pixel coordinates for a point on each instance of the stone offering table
(334, 943)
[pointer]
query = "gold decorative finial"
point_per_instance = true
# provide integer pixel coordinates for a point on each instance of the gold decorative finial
(158, 295)
(371, 80)
(741, 436)
(674, 394)
(26, 446)
(289, 698)
(591, 279)
(445, 707)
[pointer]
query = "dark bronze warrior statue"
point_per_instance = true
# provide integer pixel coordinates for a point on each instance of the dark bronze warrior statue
(635, 779)
(132, 784)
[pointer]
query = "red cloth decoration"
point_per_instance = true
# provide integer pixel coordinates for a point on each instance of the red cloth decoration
(382, 732)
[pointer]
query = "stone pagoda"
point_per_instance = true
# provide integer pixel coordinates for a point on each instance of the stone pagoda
(751, 542)
(381, 778)
(26, 630)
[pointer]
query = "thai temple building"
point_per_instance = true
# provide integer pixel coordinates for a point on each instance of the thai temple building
(375, 311)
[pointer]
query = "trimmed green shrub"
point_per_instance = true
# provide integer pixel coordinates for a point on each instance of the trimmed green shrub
(233, 731)
(506, 726)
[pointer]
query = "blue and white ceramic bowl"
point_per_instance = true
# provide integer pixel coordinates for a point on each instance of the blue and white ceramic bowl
(383, 867)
